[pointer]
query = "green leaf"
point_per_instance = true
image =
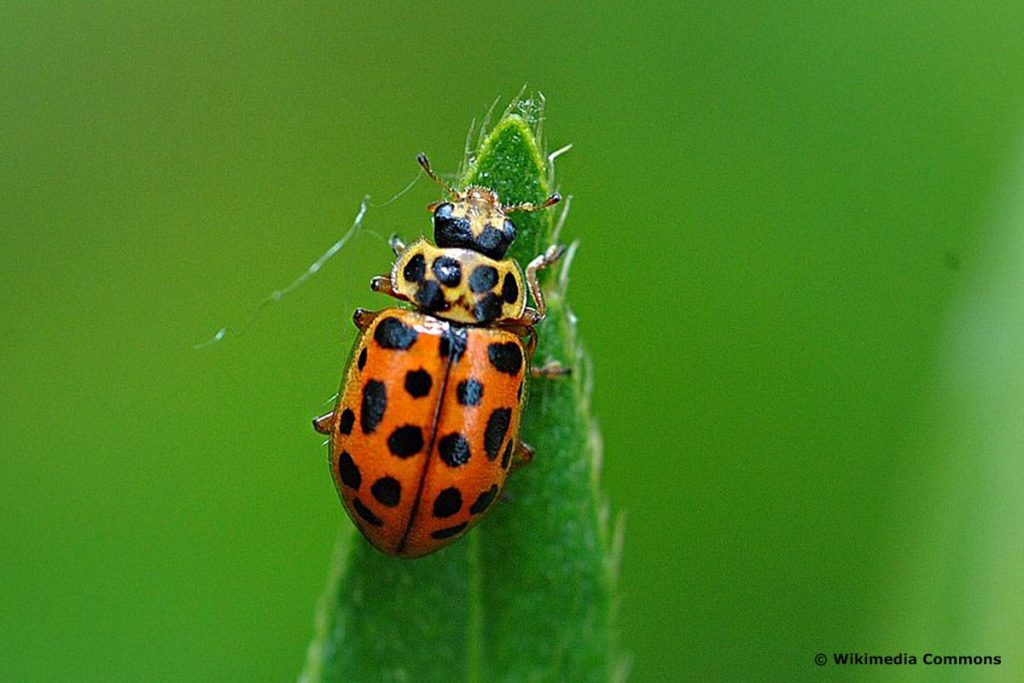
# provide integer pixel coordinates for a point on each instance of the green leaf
(528, 594)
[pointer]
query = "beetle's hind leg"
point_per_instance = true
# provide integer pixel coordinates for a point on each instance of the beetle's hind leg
(362, 318)
(522, 455)
(552, 368)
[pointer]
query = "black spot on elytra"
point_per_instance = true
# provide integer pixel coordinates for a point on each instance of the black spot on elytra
(366, 513)
(483, 279)
(468, 392)
(453, 341)
(417, 383)
(484, 500)
(362, 359)
(454, 449)
(447, 503)
(415, 268)
(392, 333)
(348, 471)
(430, 297)
(519, 391)
(450, 531)
(506, 457)
(488, 308)
(509, 289)
(507, 357)
(375, 402)
(406, 441)
(346, 421)
(387, 491)
(497, 427)
(447, 271)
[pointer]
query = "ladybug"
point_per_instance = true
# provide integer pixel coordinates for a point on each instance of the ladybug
(426, 425)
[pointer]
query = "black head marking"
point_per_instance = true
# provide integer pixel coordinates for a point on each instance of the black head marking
(507, 357)
(492, 242)
(392, 333)
(497, 428)
(455, 231)
(414, 269)
(449, 230)
(406, 441)
(375, 402)
(387, 491)
(454, 449)
(508, 228)
(447, 271)
(447, 503)
(348, 471)
(484, 500)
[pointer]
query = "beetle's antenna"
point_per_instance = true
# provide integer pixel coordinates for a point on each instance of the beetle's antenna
(425, 163)
(278, 294)
(530, 206)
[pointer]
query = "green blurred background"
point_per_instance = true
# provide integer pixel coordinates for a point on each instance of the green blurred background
(801, 280)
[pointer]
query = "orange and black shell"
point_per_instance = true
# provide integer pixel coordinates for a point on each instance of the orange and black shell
(424, 429)
(459, 284)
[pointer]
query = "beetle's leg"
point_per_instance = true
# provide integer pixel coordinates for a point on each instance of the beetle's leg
(552, 368)
(397, 245)
(362, 318)
(522, 456)
(382, 285)
(530, 206)
(550, 257)
(324, 423)
(530, 333)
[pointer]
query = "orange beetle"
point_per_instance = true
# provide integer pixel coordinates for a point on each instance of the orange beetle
(426, 425)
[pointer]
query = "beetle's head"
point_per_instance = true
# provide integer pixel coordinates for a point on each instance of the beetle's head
(475, 218)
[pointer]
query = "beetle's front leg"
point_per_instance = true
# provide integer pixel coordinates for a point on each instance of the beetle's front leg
(550, 257)
(382, 285)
